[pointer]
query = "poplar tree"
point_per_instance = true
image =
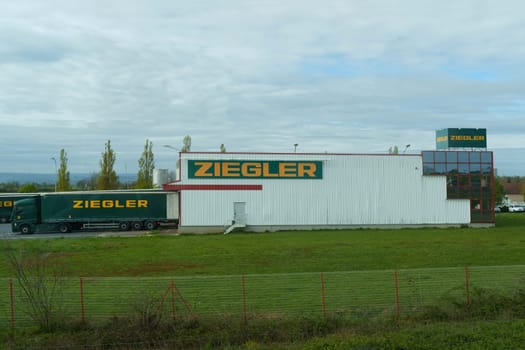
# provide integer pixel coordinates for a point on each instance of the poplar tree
(107, 178)
(63, 181)
(223, 148)
(186, 147)
(186, 144)
(146, 166)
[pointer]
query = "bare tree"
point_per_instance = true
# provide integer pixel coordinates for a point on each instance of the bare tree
(41, 284)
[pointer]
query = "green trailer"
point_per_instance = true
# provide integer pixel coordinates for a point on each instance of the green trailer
(75, 211)
(7, 202)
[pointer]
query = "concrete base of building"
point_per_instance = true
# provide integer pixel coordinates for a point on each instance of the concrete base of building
(275, 228)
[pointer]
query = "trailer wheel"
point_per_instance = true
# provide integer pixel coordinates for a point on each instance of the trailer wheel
(136, 225)
(25, 229)
(124, 226)
(63, 228)
(150, 225)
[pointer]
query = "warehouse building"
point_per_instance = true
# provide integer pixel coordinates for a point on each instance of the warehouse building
(220, 192)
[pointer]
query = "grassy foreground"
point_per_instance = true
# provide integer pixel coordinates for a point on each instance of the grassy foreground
(283, 252)
(495, 324)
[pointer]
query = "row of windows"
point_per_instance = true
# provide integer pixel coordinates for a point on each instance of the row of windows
(456, 168)
(469, 193)
(473, 180)
(456, 157)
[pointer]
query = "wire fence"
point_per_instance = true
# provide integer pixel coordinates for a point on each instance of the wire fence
(395, 293)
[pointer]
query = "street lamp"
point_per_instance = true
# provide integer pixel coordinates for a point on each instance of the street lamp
(56, 172)
(173, 148)
(295, 147)
(406, 147)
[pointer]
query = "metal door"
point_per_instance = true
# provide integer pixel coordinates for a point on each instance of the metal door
(239, 213)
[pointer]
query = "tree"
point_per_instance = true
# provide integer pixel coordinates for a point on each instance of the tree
(394, 150)
(186, 144)
(146, 166)
(223, 148)
(89, 183)
(7, 187)
(107, 178)
(186, 147)
(42, 283)
(63, 174)
(499, 191)
(28, 188)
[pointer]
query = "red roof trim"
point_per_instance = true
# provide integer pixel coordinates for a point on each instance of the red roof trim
(177, 187)
(306, 154)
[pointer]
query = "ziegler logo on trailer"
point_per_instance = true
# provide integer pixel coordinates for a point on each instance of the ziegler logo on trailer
(273, 169)
(6, 204)
(109, 203)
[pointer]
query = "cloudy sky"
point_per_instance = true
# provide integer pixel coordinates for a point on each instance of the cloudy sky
(346, 76)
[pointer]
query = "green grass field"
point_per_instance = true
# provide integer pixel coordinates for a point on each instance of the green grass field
(279, 274)
(284, 252)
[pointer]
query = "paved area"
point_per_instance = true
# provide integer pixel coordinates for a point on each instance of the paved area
(5, 233)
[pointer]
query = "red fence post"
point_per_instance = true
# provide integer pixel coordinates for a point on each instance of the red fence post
(11, 300)
(244, 299)
(467, 282)
(398, 307)
(181, 297)
(323, 301)
(82, 311)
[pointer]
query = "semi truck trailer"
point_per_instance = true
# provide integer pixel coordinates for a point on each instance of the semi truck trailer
(73, 211)
(7, 202)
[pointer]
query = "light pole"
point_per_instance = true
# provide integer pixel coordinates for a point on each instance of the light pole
(406, 147)
(295, 147)
(173, 148)
(56, 172)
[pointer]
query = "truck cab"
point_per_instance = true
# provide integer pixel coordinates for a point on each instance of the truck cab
(24, 216)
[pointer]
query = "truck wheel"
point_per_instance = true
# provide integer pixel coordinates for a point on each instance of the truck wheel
(150, 225)
(123, 226)
(63, 228)
(136, 225)
(25, 229)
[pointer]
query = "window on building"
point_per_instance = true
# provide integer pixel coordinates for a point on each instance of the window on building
(469, 176)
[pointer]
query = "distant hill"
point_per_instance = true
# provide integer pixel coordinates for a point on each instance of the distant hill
(23, 178)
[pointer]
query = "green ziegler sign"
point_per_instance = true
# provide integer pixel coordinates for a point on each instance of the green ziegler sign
(461, 138)
(254, 169)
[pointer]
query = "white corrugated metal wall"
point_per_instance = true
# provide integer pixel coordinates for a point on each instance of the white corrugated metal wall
(354, 190)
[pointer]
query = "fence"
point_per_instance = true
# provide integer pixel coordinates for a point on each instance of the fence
(353, 294)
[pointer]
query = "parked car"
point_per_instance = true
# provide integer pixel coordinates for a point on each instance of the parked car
(514, 208)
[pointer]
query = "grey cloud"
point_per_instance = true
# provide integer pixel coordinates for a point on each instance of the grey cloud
(342, 76)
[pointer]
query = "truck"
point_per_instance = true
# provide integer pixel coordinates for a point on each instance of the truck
(7, 202)
(89, 210)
